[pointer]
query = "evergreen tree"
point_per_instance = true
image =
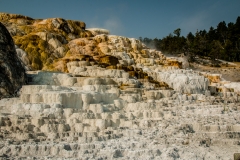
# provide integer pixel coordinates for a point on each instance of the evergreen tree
(220, 43)
(177, 32)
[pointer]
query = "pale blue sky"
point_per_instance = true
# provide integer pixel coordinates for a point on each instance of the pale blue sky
(132, 18)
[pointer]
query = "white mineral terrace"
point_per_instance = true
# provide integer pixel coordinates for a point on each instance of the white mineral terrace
(85, 115)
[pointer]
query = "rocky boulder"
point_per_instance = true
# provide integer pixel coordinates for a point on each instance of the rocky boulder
(12, 73)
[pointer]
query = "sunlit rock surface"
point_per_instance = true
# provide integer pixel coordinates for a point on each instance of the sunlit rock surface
(62, 115)
(49, 43)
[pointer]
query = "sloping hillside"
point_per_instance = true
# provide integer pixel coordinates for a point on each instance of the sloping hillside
(49, 44)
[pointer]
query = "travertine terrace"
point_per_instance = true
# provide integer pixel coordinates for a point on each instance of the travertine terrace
(115, 99)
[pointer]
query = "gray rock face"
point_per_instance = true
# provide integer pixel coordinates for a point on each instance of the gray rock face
(12, 73)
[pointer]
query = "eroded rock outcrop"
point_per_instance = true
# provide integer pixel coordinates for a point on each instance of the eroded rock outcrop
(48, 43)
(12, 72)
(43, 40)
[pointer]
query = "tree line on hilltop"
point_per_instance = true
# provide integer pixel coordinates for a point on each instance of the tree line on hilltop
(222, 42)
